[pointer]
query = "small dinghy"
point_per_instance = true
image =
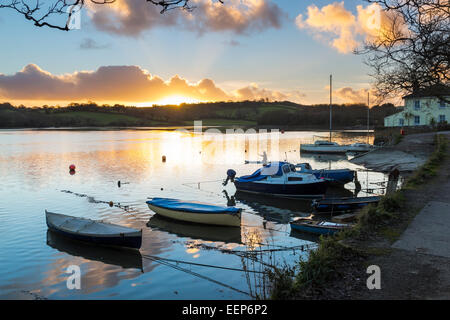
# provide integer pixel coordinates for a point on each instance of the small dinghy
(360, 147)
(318, 227)
(343, 204)
(97, 232)
(197, 212)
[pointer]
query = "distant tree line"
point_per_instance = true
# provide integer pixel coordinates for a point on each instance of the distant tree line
(261, 113)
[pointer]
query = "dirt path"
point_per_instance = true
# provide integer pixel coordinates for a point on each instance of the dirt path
(417, 264)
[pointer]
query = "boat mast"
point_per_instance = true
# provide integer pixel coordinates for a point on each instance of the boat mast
(331, 92)
(368, 113)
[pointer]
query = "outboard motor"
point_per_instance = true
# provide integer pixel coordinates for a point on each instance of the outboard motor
(231, 174)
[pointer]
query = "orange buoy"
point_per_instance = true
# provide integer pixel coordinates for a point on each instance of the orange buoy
(163, 158)
(111, 203)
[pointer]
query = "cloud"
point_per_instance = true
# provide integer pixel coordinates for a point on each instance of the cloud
(91, 44)
(344, 31)
(253, 92)
(132, 17)
(350, 95)
(126, 84)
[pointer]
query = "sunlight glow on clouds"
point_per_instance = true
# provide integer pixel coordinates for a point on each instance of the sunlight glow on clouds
(343, 30)
(350, 95)
(125, 84)
(132, 17)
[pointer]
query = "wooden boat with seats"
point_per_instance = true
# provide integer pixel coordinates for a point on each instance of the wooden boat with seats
(318, 227)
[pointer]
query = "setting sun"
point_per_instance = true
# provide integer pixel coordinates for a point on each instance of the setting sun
(170, 100)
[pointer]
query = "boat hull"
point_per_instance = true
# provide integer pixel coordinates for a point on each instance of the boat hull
(125, 239)
(314, 229)
(219, 219)
(306, 190)
(344, 204)
(318, 149)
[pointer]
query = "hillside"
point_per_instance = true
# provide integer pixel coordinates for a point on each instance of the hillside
(246, 113)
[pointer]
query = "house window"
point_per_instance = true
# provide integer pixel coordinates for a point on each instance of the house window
(416, 120)
(442, 104)
(442, 118)
(401, 122)
(417, 105)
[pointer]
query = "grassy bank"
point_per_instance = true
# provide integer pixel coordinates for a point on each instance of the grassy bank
(338, 257)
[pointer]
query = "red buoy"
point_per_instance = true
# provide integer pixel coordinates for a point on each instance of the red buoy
(72, 167)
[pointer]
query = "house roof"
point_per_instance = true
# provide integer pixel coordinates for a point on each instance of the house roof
(437, 90)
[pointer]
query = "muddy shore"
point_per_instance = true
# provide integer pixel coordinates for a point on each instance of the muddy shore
(406, 156)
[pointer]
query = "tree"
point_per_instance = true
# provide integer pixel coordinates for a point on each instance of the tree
(58, 14)
(411, 50)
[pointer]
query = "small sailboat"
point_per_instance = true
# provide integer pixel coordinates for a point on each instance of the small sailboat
(363, 147)
(323, 146)
(281, 179)
(318, 227)
(196, 212)
(337, 176)
(97, 232)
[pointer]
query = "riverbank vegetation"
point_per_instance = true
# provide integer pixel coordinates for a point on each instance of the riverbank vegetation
(245, 113)
(341, 257)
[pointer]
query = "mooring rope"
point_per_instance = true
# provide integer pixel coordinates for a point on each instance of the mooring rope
(199, 264)
(198, 275)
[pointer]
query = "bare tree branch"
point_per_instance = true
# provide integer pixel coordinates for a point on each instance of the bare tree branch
(412, 51)
(64, 10)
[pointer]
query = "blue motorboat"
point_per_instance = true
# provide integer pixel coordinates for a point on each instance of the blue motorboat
(318, 227)
(335, 176)
(280, 179)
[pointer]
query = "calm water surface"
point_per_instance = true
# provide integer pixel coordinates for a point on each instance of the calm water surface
(35, 176)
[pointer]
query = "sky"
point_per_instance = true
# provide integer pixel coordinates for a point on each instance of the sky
(129, 53)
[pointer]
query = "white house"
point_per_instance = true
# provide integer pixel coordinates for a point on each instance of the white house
(424, 107)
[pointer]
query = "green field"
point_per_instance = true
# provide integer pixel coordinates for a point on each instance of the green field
(99, 118)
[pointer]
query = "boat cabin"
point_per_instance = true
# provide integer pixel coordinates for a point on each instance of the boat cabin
(285, 173)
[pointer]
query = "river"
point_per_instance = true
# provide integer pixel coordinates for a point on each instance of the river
(34, 170)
